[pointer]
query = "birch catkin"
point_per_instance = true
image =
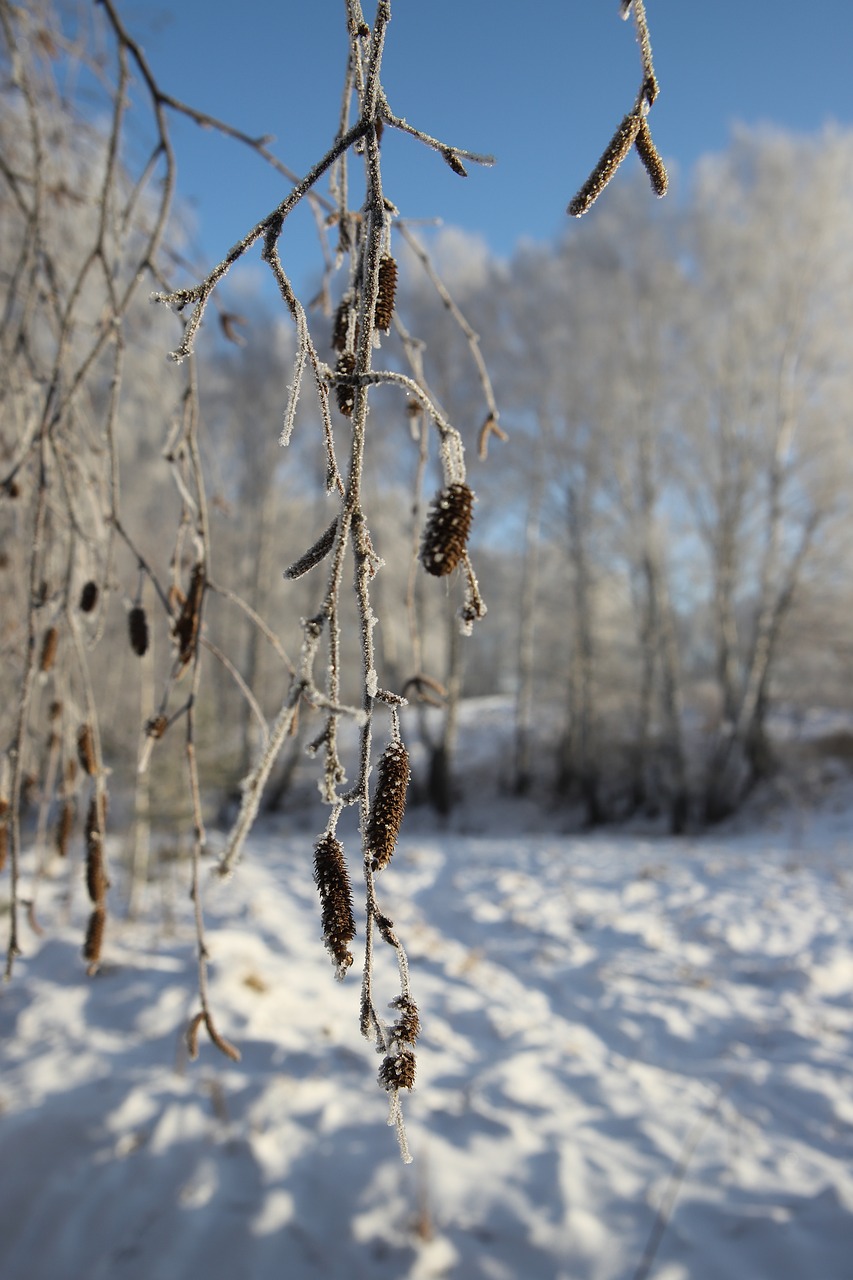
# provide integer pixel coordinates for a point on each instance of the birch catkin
(448, 526)
(652, 162)
(389, 805)
(332, 880)
(615, 152)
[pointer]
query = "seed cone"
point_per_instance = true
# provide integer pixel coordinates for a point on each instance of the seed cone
(398, 1072)
(447, 528)
(407, 1027)
(332, 879)
(389, 804)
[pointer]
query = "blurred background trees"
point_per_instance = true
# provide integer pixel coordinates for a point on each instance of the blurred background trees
(662, 538)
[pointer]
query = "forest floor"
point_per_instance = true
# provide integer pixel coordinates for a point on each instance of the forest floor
(635, 1060)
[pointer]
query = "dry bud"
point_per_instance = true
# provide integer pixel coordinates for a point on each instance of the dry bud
(332, 880)
(88, 597)
(385, 297)
(344, 394)
(389, 804)
(455, 163)
(86, 750)
(48, 649)
(650, 156)
(617, 149)
(651, 88)
(447, 528)
(489, 428)
(156, 726)
(137, 625)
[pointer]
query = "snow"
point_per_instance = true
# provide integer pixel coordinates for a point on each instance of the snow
(635, 1060)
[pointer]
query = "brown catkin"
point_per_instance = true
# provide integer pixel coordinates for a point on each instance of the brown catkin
(49, 646)
(398, 1071)
(137, 626)
(315, 554)
(340, 325)
(332, 880)
(384, 309)
(64, 826)
(407, 1027)
(96, 875)
(447, 528)
(345, 395)
(187, 624)
(192, 1035)
(94, 937)
(86, 749)
(389, 804)
(88, 597)
(617, 149)
(650, 156)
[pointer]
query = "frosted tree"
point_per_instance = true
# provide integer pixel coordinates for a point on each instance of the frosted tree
(87, 196)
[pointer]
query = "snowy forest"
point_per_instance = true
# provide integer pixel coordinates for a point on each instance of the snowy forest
(563, 535)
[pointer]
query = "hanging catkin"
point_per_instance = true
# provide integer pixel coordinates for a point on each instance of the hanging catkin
(332, 880)
(447, 528)
(389, 804)
(384, 309)
(137, 626)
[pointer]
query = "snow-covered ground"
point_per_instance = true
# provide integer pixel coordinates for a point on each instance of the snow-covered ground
(636, 1058)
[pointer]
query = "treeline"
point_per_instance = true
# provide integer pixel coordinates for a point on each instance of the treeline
(662, 538)
(669, 523)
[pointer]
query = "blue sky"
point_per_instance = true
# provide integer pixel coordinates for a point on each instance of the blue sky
(542, 85)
